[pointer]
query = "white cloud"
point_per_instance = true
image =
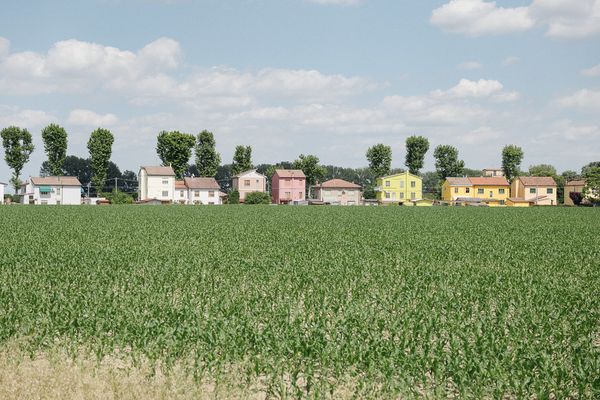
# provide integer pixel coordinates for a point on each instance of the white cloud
(468, 88)
(4, 47)
(90, 118)
(480, 135)
(512, 60)
(562, 18)
(28, 119)
(593, 71)
(478, 17)
(469, 65)
(568, 18)
(585, 98)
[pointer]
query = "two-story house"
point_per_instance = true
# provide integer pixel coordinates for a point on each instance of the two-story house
(338, 191)
(533, 190)
(2, 187)
(248, 182)
(51, 190)
(493, 172)
(575, 186)
(403, 188)
(202, 191)
(288, 185)
(156, 183)
(485, 190)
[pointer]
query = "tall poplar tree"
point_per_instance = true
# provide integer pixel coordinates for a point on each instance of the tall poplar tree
(55, 145)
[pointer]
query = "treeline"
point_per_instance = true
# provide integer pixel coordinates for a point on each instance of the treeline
(98, 174)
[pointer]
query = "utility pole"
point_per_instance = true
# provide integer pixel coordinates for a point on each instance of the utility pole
(88, 186)
(116, 188)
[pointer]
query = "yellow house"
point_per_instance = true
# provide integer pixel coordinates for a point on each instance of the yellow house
(485, 190)
(399, 188)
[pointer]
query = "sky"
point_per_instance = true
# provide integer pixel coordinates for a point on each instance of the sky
(322, 77)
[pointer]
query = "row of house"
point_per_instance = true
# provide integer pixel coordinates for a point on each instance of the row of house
(158, 184)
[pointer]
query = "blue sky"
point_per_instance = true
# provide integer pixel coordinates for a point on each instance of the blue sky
(326, 77)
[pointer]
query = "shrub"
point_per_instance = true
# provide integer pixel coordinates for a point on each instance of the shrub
(234, 197)
(576, 197)
(118, 197)
(257, 198)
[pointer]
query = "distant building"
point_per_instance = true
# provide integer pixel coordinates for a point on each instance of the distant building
(403, 188)
(156, 183)
(573, 187)
(2, 188)
(338, 191)
(203, 191)
(288, 185)
(533, 190)
(485, 190)
(248, 182)
(51, 190)
(493, 172)
(181, 193)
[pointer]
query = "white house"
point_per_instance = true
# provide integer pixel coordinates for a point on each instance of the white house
(201, 191)
(248, 182)
(51, 190)
(156, 183)
(2, 186)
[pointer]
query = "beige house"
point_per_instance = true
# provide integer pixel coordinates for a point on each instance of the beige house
(338, 191)
(573, 186)
(535, 190)
(493, 172)
(248, 182)
(156, 183)
(203, 191)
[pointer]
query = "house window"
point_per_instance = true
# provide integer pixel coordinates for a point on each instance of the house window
(387, 183)
(401, 184)
(288, 195)
(549, 190)
(58, 202)
(181, 193)
(491, 194)
(467, 190)
(165, 181)
(502, 202)
(413, 196)
(413, 184)
(165, 193)
(401, 195)
(247, 182)
(387, 195)
(196, 193)
(393, 195)
(501, 191)
(532, 190)
(480, 191)
(455, 190)
(211, 193)
(58, 191)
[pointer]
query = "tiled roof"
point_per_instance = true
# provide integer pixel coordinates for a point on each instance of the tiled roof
(290, 173)
(338, 183)
(56, 180)
(459, 181)
(161, 171)
(201, 183)
(179, 184)
(537, 180)
(580, 182)
(489, 181)
(246, 173)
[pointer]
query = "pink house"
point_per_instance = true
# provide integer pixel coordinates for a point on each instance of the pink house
(288, 185)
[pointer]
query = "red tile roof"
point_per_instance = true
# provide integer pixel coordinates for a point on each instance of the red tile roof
(56, 180)
(201, 183)
(537, 180)
(338, 184)
(180, 185)
(459, 181)
(489, 180)
(580, 182)
(162, 171)
(290, 173)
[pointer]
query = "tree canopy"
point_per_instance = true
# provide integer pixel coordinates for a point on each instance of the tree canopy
(55, 145)
(175, 149)
(100, 148)
(18, 146)
(447, 162)
(207, 158)
(380, 159)
(242, 159)
(416, 148)
(511, 161)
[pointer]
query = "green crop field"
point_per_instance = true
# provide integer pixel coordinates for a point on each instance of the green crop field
(312, 301)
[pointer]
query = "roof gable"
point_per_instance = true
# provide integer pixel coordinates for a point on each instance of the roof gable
(159, 171)
(290, 173)
(338, 184)
(537, 180)
(250, 173)
(458, 181)
(489, 181)
(55, 180)
(201, 183)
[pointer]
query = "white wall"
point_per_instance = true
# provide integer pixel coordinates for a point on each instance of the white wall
(203, 196)
(1, 193)
(63, 195)
(154, 186)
